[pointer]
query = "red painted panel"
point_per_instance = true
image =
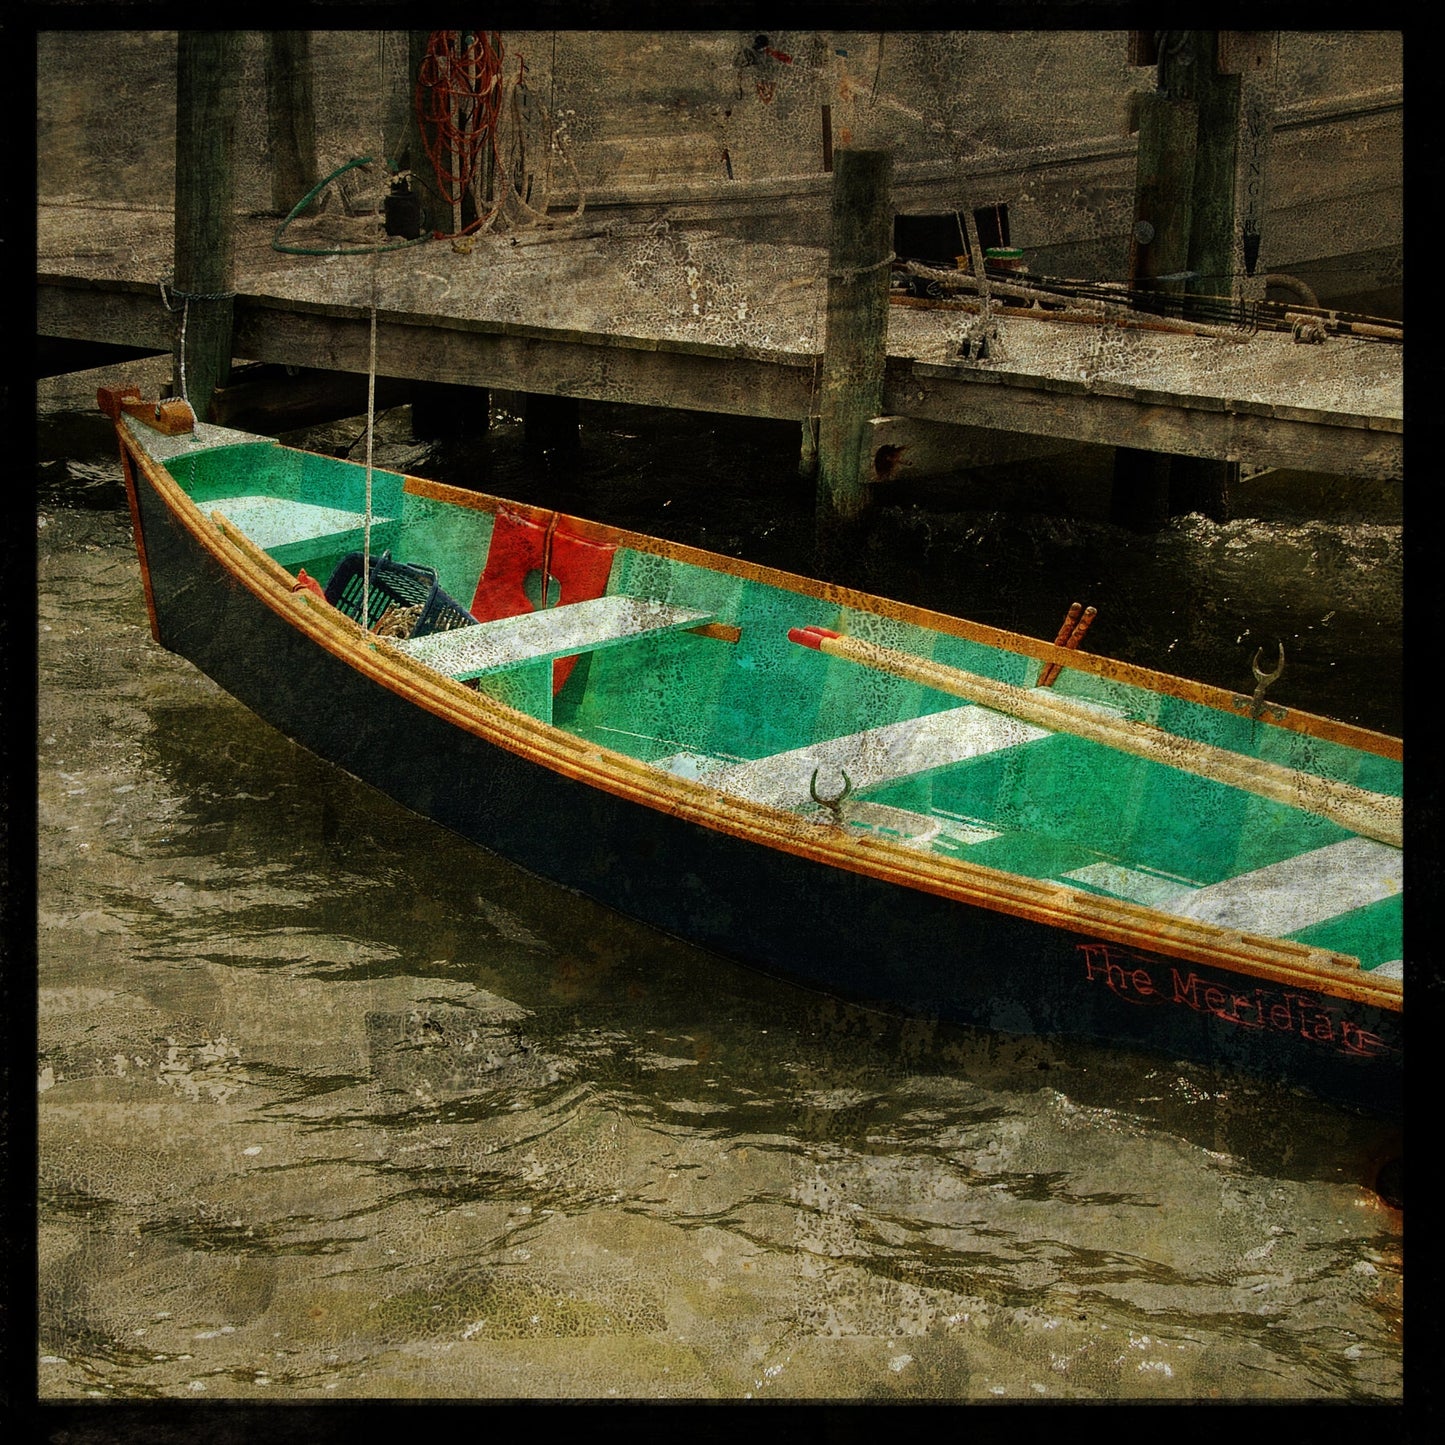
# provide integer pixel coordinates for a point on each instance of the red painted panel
(520, 548)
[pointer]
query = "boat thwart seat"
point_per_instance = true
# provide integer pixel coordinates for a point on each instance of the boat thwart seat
(562, 631)
(871, 757)
(293, 531)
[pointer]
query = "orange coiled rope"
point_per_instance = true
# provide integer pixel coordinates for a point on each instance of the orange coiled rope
(458, 99)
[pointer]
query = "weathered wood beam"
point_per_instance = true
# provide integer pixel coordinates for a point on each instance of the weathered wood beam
(691, 376)
(523, 359)
(79, 309)
(1228, 430)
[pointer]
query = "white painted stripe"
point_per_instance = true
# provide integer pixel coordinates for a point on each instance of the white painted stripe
(1299, 892)
(915, 830)
(1135, 886)
(876, 755)
(1395, 968)
(1272, 901)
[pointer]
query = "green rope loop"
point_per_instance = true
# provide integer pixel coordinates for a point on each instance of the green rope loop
(335, 250)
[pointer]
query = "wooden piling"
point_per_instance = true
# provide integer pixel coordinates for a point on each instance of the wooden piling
(436, 211)
(202, 285)
(552, 422)
(1163, 193)
(1230, 78)
(449, 410)
(855, 343)
(1198, 209)
(290, 117)
(1139, 498)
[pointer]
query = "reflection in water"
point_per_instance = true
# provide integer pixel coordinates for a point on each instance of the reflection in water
(333, 1107)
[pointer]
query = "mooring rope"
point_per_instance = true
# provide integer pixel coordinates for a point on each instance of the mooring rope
(181, 351)
(370, 428)
(167, 291)
(848, 274)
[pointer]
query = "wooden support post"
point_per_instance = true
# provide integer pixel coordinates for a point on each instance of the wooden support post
(1203, 139)
(1250, 55)
(207, 76)
(1140, 495)
(1212, 251)
(442, 409)
(290, 117)
(1158, 249)
(1201, 484)
(1231, 77)
(436, 213)
(1163, 196)
(552, 422)
(855, 345)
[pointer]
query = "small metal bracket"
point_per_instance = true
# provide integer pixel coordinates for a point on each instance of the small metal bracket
(1262, 681)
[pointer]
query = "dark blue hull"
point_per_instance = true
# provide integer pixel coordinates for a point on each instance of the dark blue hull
(847, 933)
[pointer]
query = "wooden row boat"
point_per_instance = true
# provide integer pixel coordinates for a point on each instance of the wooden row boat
(881, 802)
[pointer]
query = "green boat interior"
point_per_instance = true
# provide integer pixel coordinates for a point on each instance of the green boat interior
(693, 671)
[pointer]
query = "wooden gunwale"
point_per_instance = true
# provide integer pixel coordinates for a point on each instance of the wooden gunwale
(1110, 669)
(1049, 904)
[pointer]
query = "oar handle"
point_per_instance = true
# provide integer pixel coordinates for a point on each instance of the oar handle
(1076, 624)
(811, 636)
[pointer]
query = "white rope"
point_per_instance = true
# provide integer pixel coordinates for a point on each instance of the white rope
(181, 348)
(848, 274)
(167, 292)
(370, 426)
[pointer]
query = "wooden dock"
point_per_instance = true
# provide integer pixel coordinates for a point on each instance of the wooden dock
(661, 316)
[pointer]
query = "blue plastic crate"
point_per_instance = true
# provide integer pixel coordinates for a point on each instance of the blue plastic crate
(392, 585)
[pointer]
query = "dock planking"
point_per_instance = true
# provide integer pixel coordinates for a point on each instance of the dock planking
(653, 315)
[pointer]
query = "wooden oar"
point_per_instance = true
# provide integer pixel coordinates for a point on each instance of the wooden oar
(1371, 815)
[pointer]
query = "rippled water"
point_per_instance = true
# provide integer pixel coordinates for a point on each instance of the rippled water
(334, 1107)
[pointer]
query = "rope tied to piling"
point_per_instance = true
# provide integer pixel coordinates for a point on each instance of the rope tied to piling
(848, 274)
(168, 289)
(458, 99)
(370, 432)
(502, 133)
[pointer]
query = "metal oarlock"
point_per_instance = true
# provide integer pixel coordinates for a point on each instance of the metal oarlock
(833, 805)
(1262, 680)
